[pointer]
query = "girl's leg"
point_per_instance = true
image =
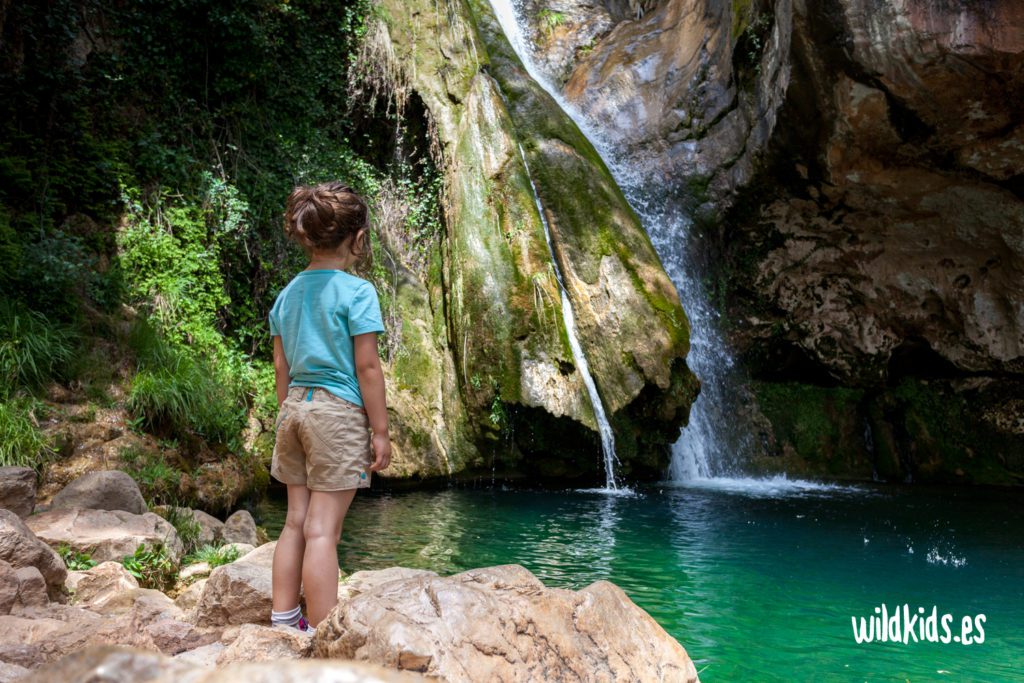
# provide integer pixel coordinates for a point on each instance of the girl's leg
(291, 545)
(327, 511)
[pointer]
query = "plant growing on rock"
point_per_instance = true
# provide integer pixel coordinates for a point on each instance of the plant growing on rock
(22, 443)
(550, 19)
(215, 556)
(185, 524)
(75, 561)
(152, 566)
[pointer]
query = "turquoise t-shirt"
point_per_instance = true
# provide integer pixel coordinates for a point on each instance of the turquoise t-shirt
(316, 315)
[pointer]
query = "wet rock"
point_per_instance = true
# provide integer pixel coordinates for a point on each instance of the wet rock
(20, 547)
(110, 490)
(240, 527)
(501, 623)
(104, 534)
(18, 490)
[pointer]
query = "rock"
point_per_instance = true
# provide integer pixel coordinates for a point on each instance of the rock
(189, 597)
(18, 490)
(109, 490)
(59, 630)
(240, 528)
(205, 656)
(21, 548)
(501, 623)
(12, 672)
(364, 580)
(174, 637)
(109, 664)
(236, 593)
(265, 643)
(102, 582)
(145, 605)
(104, 534)
(32, 589)
(242, 549)
(194, 571)
(9, 584)
(262, 556)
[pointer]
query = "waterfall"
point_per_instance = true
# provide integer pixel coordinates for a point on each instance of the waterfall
(705, 446)
(569, 320)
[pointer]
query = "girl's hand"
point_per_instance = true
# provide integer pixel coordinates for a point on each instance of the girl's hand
(382, 451)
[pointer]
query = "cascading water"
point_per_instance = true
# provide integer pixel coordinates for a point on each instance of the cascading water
(569, 320)
(704, 446)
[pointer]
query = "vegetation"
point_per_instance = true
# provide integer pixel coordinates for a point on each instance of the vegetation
(152, 565)
(550, 19)
(185, 525)
(213, 555)
(22, 443)
(75, 561)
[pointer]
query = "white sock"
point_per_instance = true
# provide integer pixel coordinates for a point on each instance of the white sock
(286, 618)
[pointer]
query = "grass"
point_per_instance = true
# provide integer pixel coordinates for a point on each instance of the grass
(213, 555)
(157, 479)
(185, 524)
(32, 349)
(550, 19)
(22, 443)
(174, 394)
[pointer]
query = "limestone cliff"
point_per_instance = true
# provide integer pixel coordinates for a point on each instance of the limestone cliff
(854, 171)
(486, 376)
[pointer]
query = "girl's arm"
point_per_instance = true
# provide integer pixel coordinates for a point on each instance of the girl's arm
(281, 377)
(371, 386)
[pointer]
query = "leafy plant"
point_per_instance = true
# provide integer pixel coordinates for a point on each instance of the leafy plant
(152, 566)
(22, 443)
(550, 19)
(214, 556)
(75, 561)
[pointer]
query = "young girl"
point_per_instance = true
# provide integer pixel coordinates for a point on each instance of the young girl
(330, 394)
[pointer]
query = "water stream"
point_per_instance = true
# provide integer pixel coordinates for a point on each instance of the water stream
(705, 448)
(569, 320)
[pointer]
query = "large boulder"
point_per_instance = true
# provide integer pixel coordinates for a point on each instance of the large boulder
(240, 592)
(104, 534)
(127, 665)
(502, 623)
(240, 528)
(103, 582)
(18, 490)
(20, 547)
(257, 643)
(109, 490)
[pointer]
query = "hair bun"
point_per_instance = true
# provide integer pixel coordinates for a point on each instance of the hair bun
(323, 216)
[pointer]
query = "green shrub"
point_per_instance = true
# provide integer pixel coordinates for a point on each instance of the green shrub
(32, 349)
(214, 556)
(152, 566)
(22, 443)
(75, 561)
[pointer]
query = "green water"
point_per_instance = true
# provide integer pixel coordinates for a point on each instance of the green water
(759, 581)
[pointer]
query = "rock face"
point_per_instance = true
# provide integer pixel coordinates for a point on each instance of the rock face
(854, 170)
(501, 623)
(104, 534)
(506, 372)
(19, 547)
(240, 527)
(109, 490)
(18, 490)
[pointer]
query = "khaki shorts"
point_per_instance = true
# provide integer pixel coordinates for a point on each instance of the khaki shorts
(322, 442)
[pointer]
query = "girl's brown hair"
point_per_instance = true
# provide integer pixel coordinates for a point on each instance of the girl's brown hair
(321, 217)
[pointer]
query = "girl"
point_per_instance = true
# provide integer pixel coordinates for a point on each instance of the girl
(330, 395)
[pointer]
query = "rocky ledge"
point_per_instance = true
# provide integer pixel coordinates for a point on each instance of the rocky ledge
(211, 624)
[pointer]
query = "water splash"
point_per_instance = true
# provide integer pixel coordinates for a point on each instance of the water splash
(569, 320)
(705, 448)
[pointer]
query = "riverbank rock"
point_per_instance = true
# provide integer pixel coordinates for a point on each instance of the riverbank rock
(18, 490)
(240, 527)
(127, 665)
(502, 623)
(102, 582)
(20, 547)
(104, 534)
(109, 490)
(240, 592)
(256, 643)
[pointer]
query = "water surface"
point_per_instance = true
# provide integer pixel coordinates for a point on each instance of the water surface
(757, 580)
